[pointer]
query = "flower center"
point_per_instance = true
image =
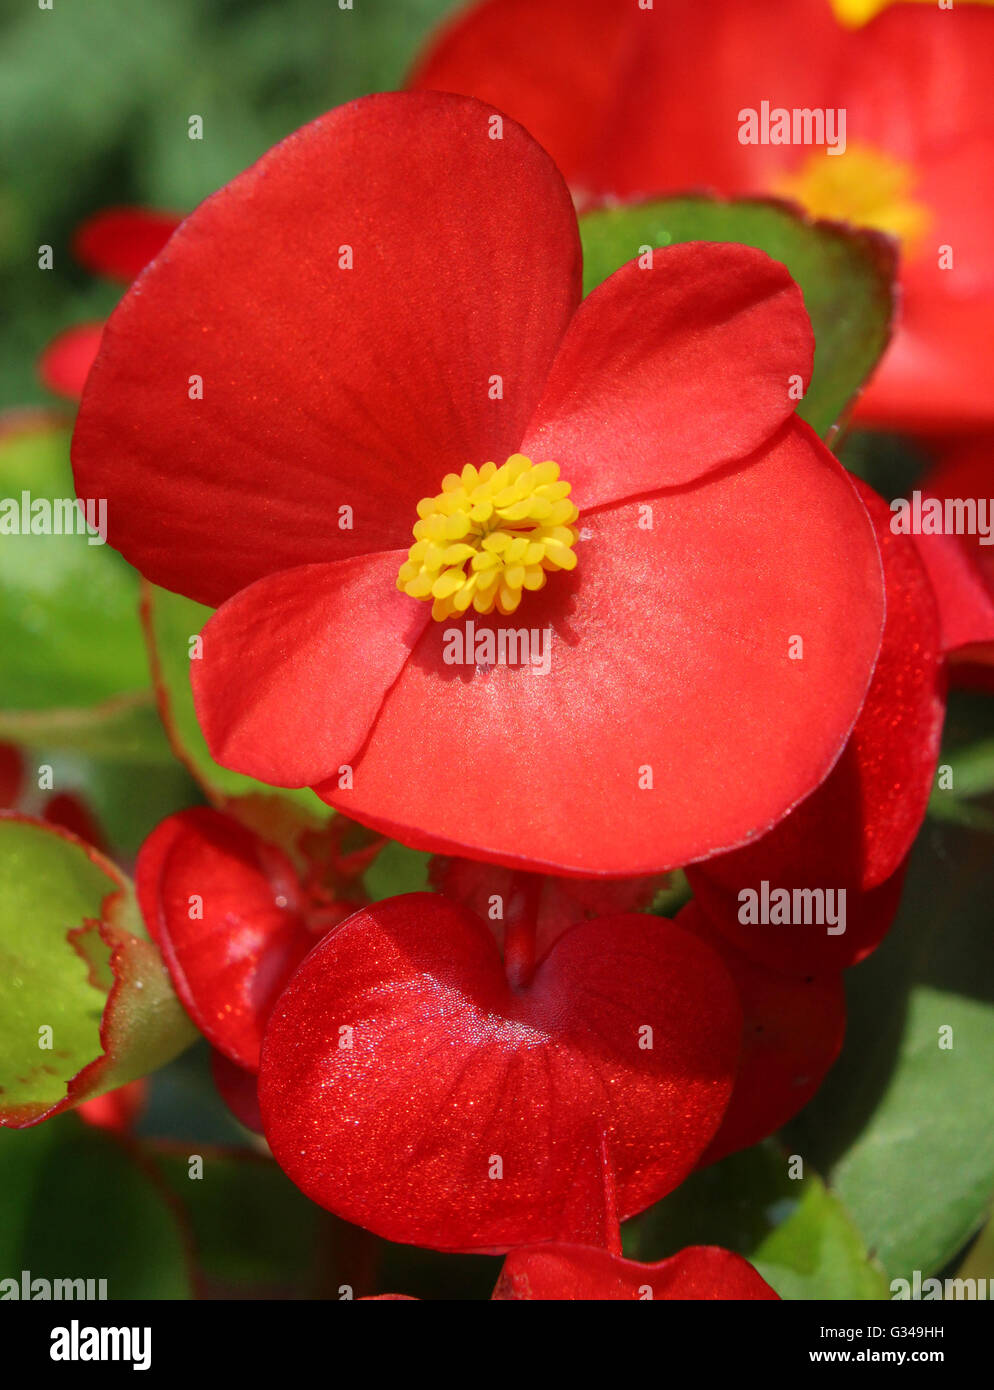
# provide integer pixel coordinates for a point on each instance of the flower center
(863, 186)
(490, 534)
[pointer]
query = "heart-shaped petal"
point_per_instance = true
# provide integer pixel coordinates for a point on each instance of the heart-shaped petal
(407, 1087)
(583, 1272)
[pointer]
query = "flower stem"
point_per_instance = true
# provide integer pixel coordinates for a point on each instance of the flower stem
(520, 928)
(612, 1226)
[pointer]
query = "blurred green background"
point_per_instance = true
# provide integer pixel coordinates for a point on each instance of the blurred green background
(95, 96)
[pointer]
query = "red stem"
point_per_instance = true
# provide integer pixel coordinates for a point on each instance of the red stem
(612, 1226)
(520, 927)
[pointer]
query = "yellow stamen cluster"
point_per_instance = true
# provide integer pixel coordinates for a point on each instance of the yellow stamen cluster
(863, 186)
(490, 534)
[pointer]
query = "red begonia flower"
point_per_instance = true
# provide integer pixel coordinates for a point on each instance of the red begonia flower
(118, 243)
(409, 1087)
(117, 1110)
(71, 812)
(226, 912)
(559, 1271)
(65, 363)
(792, 1032)
(639, 102)
(960, 564)
(853, 834)
(64, 809)
(350, 357)
(11, 775)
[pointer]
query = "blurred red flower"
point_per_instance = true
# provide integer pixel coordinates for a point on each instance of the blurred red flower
(117, 243)
(635, 102)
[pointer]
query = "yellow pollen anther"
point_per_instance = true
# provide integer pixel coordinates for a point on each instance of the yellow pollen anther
(489, 535)
(863, 186)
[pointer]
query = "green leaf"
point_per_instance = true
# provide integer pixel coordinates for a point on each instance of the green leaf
(251, 1227)
(904, 1127)
(397, 869)
(847, 277)
(979, 1260)
(973, 769)
(74, 1204)
(127, 801)
(170, 622)
(795, 1231)
(126, 729)
(69, 627)
(55, 988)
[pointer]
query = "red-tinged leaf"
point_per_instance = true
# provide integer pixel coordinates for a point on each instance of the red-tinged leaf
(86, 1001)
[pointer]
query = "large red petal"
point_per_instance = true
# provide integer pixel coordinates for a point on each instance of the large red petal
(670, 651)
(672, 370)
(793, 1028)
(229, 961)
(120, 242)
(405, 1086)
(853, 833)
(295, 667)
(327, 387)
(583, 1272)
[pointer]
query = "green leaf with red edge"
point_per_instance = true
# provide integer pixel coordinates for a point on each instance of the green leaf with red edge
(76, 1203)
(170, 621)
(847, 277)
(74, 959)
